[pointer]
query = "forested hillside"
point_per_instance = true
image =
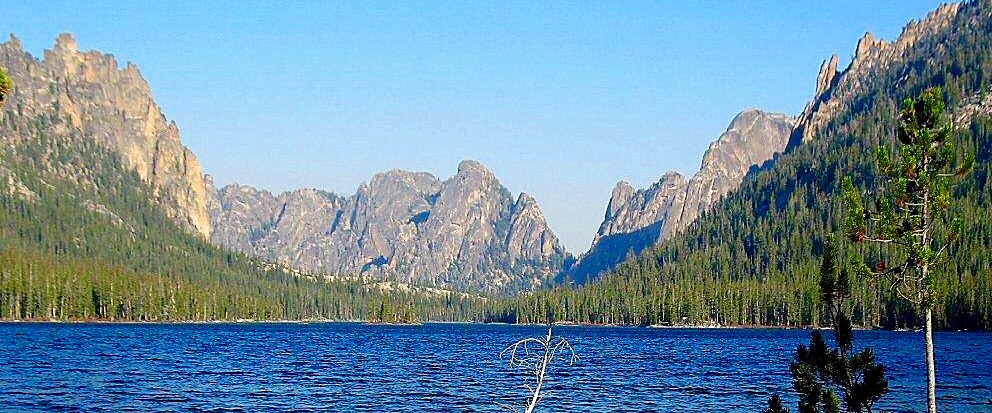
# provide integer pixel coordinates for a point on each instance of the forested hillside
(86, 235)
(752, 260)
(81, 238)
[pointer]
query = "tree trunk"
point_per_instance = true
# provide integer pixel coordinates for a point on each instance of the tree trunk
(931, 370)
(542, 369)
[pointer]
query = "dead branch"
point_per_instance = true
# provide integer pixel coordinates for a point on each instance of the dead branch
(535, 355)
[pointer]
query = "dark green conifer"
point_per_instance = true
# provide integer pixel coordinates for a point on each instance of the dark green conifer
(909, 214)
(5, 86)
(831, 380)
(775, 406)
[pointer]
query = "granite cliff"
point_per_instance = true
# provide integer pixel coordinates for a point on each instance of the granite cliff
(837, 90)
(466, 232)
(638, 219)
(70, 96)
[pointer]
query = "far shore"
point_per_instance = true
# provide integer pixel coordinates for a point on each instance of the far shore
(415, 324)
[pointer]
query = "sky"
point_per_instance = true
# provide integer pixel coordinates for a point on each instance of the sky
(559, 99)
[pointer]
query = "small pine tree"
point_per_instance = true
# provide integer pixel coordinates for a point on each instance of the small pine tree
(828, 379)
(5, 86)
(775, 406)
(908, 212)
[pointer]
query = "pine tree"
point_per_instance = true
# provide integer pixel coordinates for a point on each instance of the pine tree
(909, 212)
(828, 379)
(775, 406)
(5, 86)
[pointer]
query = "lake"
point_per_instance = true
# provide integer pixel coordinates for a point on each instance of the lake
(442, 368)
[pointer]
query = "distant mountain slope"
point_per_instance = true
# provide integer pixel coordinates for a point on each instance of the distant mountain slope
(639, 219)
(466, 232)
(753, 258)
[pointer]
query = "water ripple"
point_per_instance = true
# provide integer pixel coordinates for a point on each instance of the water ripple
(439, 368)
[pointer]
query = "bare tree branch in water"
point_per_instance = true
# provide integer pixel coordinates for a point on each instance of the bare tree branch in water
(534, 355)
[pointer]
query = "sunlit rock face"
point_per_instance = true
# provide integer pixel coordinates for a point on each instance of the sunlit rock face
(835, 89)
(71, 96)
(466, 232)
(639, 219)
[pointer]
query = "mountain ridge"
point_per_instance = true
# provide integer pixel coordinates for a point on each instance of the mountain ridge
(754, 258)
(467, 231)
(637, 219)
(481, 237)
(89, 95)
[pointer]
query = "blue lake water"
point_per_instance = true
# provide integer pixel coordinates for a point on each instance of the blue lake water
(442, 368)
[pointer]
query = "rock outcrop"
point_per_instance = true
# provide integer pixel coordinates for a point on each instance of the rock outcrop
(752, 138)
(630, 210)
(835, 90)
(72, 96)
(466, 232)
(638, 219)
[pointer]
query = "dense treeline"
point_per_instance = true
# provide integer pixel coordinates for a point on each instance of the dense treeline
(38, 286)
(80, 238)
(749, 261)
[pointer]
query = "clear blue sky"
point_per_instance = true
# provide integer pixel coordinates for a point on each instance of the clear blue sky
(560, 99)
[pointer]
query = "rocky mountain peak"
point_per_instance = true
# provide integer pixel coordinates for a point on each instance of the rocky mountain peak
(825, 79)
(474, 167)
(65, 43)
(866, 44)
(620, 196)
(85, 95)
(631, 210)
(871, 56)
(464, 232)
(638, 219)
(13, 42)
(525, 201)
(752, 138)
(419, 182)
(744, 119)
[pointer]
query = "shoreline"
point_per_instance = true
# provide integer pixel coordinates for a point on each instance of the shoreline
(4, 321)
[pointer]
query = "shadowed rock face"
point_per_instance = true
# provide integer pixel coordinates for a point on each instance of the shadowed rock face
(466, 232)
(630, 210)
(70, 96)
(638, 219)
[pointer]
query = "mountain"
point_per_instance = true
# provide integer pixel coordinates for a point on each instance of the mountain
(638, 219)
(753, 258)
(85, 95)
(466, 232)
(836, 91)
(103, 214)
